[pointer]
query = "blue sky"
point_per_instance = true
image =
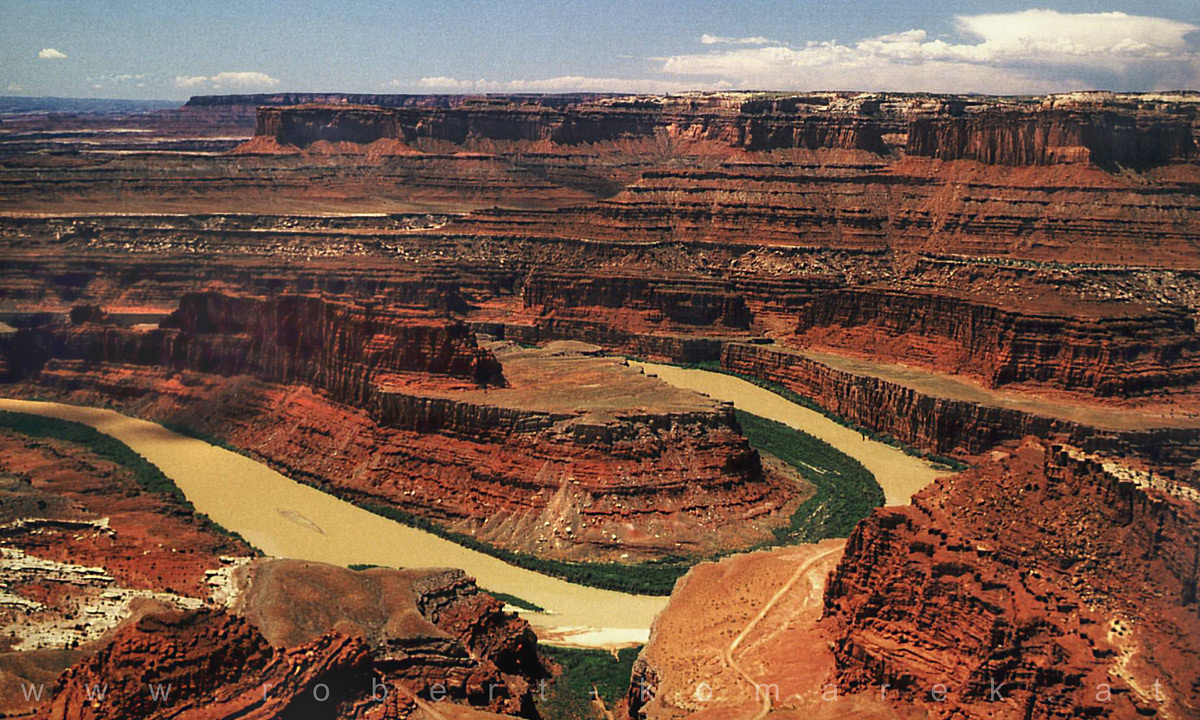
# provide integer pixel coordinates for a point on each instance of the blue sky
(134, 49)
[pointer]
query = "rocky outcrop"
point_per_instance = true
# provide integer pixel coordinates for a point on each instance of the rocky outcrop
(1044, 584)
(942, 424)
(699, 302)
(342, 348)
(1054, 136)
(303, 125)
(431, 632)
(1113, 349)
(191, 653)
(362, 645)
(207, 665)
(599, 121)
(306, 338)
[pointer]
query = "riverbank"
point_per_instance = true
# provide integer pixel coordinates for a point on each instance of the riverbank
(899, 474)
(284, 518)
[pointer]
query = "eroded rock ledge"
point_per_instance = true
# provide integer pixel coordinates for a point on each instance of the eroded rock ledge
(1045, 571)
(434, 635)
(572, 457)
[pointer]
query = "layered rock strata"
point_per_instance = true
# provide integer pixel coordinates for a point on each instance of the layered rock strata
(1045, 584)
(341, 348)
(402, 409)
(208, 665)
(1104, 349)
(943, 424)
(588, 123)
(1054, 136)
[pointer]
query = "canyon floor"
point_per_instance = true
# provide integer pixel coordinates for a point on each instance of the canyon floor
(818, 404)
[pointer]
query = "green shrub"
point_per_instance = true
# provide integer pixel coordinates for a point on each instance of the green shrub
(845, 491)
(585, 674)
(515, 601)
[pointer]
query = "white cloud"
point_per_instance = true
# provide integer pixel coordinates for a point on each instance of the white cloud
(1057, 34)
(243, 80)
(15, 87)
(51, 54)
(1029, 51)
(566, 83)
(191, 81)
(722, 40)
(124, 79)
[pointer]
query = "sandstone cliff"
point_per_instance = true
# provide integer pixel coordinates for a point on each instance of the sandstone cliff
(1054, 136)
(472, 122)
(342, 348)
(941, 424)
(1066, 582)
(1113, 349)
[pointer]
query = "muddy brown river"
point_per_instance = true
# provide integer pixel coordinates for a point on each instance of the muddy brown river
(900, 475)
(284, 518)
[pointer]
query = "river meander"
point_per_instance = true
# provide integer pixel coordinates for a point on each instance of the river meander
(285, 518)
(899, 474)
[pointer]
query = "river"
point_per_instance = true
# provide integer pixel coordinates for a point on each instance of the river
(285, 518)
(899, 474)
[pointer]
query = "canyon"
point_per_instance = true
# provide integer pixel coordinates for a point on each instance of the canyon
(110, 584)
(423, 303)
(1001, 598)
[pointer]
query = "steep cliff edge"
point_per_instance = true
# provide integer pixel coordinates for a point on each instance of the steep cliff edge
(687, 301)
(1105, 349)
(1045, 137)
(941, 415)
(574, 457)
(340, 347)
(993, 132)
(1043, 584)
(600, 121)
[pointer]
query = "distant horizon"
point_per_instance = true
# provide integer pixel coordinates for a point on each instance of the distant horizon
(134, 49)
(567, 93)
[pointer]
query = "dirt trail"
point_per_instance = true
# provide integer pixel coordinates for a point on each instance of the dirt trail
(801, 572)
